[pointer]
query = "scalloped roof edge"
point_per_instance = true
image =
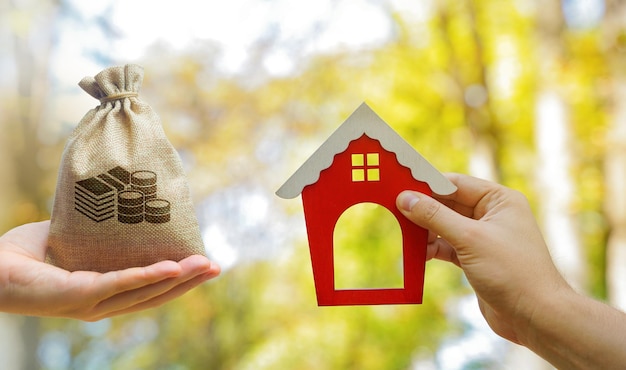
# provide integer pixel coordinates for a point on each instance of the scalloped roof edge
(364, 121)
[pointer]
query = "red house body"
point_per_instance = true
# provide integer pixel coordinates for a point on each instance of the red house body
(363, 161)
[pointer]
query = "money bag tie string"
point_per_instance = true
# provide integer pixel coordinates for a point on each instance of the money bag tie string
(129, 94)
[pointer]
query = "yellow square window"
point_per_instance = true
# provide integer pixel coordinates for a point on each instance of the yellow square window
(372, 159)
(373, 174)
(357, 160)
(358, 175)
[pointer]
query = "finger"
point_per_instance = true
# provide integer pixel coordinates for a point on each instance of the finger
(470, 191)
(191, 267)
(77, 294)
(115, 282)
(432, 237)
(432, 215)
(440, 249)
(171, 294)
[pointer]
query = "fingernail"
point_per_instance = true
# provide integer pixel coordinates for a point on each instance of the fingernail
(407, 200)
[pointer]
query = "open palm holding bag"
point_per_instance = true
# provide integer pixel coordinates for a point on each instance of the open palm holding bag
(122, 198)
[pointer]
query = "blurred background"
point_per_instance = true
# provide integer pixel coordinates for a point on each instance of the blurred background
(528, 93)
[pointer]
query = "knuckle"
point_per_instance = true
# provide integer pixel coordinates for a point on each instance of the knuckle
(513, 195)
(430, 210)
(471, 233)
(520, 198)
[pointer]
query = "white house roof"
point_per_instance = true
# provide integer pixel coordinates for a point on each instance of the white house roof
(364, 121)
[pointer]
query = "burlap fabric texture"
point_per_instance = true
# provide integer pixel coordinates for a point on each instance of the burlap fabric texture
(122, 199)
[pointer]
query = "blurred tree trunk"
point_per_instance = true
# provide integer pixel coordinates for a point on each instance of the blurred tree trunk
(615, 160)
(487, 141)
(615, 198)
(552, 126)
(32, 45)
(556, 187)
(31, 31)
(484, 159)
(11, 350)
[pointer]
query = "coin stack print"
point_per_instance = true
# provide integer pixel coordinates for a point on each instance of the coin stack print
(135, 193)
(157, 211)
(145, 182)
(130, 206)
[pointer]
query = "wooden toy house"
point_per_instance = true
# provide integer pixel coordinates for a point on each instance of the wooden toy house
(364, 160)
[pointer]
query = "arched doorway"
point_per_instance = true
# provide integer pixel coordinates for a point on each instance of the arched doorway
(367, 250)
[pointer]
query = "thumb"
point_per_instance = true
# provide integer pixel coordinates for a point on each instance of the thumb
(432, 215)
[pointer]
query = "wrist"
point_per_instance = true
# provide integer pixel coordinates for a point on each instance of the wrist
(539, 312)
(572, 331)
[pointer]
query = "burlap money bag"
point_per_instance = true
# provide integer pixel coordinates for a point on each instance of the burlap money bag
(122, 199)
